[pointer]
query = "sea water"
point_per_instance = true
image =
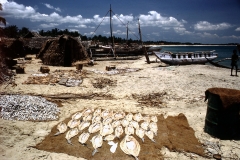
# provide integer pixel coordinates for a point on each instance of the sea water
(224, 51)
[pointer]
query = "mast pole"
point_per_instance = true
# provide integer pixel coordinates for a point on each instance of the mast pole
(127, 31)
(113, 47)
(143, 47)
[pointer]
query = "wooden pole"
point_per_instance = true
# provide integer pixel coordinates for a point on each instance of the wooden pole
(113, 47)
(143, 47)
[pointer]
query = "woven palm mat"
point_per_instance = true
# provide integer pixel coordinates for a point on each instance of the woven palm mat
(173, 133)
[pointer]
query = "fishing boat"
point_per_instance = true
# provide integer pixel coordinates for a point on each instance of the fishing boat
(185, 58)
(121, 50)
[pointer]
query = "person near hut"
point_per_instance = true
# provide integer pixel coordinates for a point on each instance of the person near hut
(234, 61)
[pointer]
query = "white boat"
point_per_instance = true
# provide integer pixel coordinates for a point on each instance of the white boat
(184, 58)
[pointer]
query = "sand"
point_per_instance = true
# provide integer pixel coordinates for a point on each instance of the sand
(180, 89)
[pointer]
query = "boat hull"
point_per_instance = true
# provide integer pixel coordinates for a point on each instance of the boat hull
(184, 61)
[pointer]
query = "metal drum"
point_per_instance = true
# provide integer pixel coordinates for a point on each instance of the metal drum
(221, 122)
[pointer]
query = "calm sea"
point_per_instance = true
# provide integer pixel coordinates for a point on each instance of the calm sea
(223, 51)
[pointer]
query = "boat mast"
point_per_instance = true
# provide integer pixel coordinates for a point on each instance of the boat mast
(113, 47)
(127, 31)
(143, 47)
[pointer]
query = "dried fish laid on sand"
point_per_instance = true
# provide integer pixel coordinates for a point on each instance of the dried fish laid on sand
(130, 146)
(26, 107)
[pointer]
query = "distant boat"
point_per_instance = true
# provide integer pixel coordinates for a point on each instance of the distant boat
(185, 58)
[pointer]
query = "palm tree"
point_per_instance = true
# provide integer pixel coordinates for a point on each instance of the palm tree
(3, 20)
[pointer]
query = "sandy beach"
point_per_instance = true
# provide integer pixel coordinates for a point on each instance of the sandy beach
(177, 90)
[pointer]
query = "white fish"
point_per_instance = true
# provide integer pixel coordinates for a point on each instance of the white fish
(140, 132)
(153, 127)
(116, 123)
(96, 118)
(109, 137)
(145, 125)
(124, 122)
(97, 112)
(154, 119)
(87, 111)
(114, 146)
(95, 127)
(129, 116)
(71, 133)
(106, 129)
(118, 115)
(129, 130)
(130, 146)
(118, 131)
(146, 118)
(77, 116)
(97, 142)
(137, 117)
(107, 120)
(83, 125)
(106, 113)
(83, 137)
(73, 123)
(62, 127)
(134, 124)
(88, 117)
(150, 135)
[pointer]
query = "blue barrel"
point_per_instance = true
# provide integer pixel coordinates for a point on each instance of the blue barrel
(221, 122)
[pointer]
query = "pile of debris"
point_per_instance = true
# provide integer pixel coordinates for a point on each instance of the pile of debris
(150, 100)
(69, 78)
(103, 82)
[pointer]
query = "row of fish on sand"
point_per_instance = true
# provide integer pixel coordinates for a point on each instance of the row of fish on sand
(109, 125)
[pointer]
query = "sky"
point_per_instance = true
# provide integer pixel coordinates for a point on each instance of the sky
(194, 21)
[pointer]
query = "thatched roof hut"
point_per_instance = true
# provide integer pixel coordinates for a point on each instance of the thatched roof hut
(62, 51)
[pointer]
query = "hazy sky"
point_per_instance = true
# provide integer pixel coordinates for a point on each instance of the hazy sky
(195, 21)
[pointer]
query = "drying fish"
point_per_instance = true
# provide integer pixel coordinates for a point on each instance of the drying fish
(150, 135)
(140, 132)
(146, 118)
(118, 131)
(137, 117)
(71, 133)
(95, 127)
(96, 118)
(114, 146)
(124, 122)
(106, 129)
(77, 116)
(97, 112)
(130, 146)
(107, 120)
(109, 137)
(129, 130)
(129, 116)
(153, 127)
(83, 125)
(83, 138)
(73, 123)
(106, 113)
(145, 125)
(154, 119)
(97, 142)
(62, 127)
(118, 115)
(88, 117)
(134, 124)
(116, 123)
(87, 111)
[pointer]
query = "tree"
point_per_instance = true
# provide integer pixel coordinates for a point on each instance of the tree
(11, 31)
(23, 31)
(3, 20)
